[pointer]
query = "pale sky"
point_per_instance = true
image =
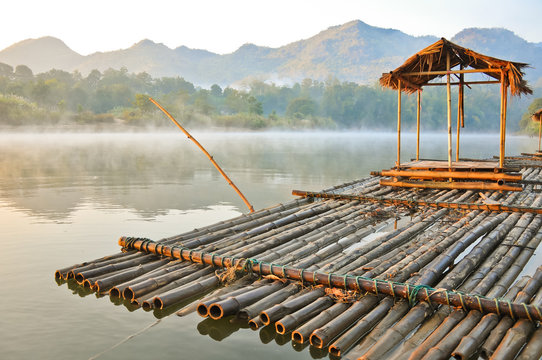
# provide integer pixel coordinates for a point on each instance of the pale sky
(222, 26)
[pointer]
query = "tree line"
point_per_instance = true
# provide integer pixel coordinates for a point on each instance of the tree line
(120, 97)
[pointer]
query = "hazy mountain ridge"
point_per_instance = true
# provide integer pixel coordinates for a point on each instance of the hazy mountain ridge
(354, 51)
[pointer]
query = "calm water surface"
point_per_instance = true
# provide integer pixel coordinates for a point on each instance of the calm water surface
(66, 198)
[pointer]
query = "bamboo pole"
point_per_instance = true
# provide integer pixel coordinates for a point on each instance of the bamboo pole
(291, 321)
(423, 203)
(418, 113)
(539, 131)
(206, 153)
(398, 124)
(516, 336)
(302, 334)
(470, 343)
(294, 303)
(448, 71)
(504, 100)
(533, 349)
(459, 114)
(435, 174)
(471, 185)
(233, 304)
(449, 112)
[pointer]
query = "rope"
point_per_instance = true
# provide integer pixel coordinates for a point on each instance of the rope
(238, 266)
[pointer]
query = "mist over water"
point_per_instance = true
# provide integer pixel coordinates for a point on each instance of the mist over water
(66, 198)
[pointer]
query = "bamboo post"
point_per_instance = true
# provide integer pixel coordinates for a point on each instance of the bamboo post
(460, 120)
(504, 96)
(418, 111)
(399, 124)
(539, 131)
(449, 102)
(206, 153)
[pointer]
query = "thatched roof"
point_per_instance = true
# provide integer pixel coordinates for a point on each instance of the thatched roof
(537, 116)
(433, 58)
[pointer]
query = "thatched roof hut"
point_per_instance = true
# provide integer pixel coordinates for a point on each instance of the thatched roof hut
(440, 59)
(430, 63)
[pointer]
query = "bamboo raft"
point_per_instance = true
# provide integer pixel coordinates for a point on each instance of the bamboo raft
(360, 270)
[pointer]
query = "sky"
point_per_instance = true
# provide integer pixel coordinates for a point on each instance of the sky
(222, 26)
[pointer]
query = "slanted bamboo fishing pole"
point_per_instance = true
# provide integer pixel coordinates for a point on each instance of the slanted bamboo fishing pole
(206, 153)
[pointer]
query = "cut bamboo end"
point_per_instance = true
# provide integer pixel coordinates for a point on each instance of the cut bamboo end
(216, 312)
(334, 351)
(128, 294)
(202, 310)
(114, 292)
(158, 303)
(265, 318)
(147, 305)
(280, 328)
(316, 341)
(87, 284)
(298, 337)
(256, 323)
(79, 278)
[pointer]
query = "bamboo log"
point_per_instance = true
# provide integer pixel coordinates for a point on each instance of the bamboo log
(303, 332)
(293, 320)
(517, 336)
(146, 286)
(202, 307)
(256, 323)
(108, 282)
(185, 292)
(464, 185)
(241, 284)
(278, 311)
(117, 290)
(82, 275)
(254, 310)
(412, 202)
(533, 349)
(233, 304)
(432, 174)
(65, 273)
(322, 336)
(362, 327)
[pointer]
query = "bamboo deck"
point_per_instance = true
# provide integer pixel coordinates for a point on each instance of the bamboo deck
(361, 270)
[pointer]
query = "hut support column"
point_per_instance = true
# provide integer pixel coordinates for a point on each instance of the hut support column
(399, 124)
(460, 116)
(539, 132)
(449, 96)
(504, 100)
(419, 107)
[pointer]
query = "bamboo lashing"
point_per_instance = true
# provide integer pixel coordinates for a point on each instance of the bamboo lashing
(356, 283)
(247, 203)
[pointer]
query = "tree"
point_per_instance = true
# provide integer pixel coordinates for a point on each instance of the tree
(6, 70)
(301, 107)
(143, 103)
(526, 124)
(23, 72)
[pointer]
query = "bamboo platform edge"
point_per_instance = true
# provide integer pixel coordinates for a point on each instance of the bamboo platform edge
(412, 293)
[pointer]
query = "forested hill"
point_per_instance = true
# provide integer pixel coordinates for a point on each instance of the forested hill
(354, 51)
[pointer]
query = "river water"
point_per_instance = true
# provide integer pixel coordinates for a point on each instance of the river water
(66, 198)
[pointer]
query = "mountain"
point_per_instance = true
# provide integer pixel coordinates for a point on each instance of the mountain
(354, 51)
(504, 44)
(41, 55)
